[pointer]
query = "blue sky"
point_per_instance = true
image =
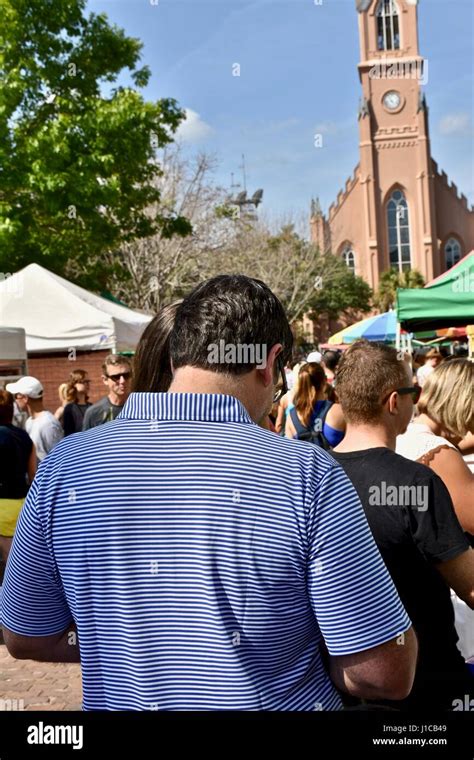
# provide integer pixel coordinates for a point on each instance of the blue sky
(298, 77)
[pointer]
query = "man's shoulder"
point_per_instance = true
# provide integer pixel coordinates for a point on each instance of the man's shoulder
(289, 451)
(100, 404)
(95, 410)
(392, 467)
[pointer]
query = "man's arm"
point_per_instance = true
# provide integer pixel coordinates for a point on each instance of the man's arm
(60, 647)
(35, 615)
(383, 672)
(368, 635)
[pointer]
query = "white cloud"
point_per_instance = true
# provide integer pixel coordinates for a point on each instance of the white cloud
(327, 128)
(193, 129)
(455, 124)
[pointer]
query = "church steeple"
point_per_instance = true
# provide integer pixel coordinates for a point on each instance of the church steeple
(388, 29)
(397, 210)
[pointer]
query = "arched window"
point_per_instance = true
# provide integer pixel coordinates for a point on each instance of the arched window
(348, 257)
(398, 232)
(388, 30)
(452, 252)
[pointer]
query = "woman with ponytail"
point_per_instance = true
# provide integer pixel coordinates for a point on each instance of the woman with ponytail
(314, 418)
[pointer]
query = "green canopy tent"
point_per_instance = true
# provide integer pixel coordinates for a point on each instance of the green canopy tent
(447, 301)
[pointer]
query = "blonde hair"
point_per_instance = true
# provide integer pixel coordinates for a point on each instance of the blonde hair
(447, 396)
(62, 393)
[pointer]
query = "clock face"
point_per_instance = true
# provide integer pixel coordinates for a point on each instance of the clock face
(391, 100)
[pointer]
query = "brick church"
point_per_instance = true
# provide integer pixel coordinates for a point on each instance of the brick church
(397, 209)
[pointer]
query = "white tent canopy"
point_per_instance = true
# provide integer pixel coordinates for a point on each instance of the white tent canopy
(57, 315)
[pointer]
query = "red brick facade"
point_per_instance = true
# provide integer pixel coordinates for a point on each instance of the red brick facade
(53, 369)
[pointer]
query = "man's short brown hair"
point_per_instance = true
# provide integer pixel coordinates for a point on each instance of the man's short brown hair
(115, 360)
(366, 373)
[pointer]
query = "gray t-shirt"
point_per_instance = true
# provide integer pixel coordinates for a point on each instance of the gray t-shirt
(100, 412)
(45, 432)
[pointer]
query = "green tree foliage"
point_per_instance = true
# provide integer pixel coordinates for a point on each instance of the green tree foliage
(77, 154)
(390, 280)
(338, 291)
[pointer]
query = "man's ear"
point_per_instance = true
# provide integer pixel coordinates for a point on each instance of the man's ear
(267, 371)
(393, 403)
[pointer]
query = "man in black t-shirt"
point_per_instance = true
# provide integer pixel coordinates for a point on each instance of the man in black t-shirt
(411, 516)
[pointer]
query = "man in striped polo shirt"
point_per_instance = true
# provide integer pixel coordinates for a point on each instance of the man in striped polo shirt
(203, 562)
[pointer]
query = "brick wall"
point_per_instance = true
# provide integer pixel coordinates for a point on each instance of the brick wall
(53, 369)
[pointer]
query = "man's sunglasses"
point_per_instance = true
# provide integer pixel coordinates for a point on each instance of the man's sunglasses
(413, 390)
(116, 378)
(280, 392)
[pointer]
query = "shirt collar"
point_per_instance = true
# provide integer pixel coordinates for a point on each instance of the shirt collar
(205, 407)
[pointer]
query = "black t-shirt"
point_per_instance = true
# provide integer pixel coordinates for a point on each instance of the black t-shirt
(73, 417)
(15, 450)
(411, 516)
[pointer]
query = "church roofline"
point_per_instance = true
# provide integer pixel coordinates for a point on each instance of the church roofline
(343, 194)
(451, 186)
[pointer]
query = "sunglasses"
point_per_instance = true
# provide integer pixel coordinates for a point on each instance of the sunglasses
(414, 391)
(280, 392)
(116, 378)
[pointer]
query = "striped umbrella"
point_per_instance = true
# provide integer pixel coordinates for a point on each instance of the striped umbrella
(382, 327)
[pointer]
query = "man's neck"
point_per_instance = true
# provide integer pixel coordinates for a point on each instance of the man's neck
(195, 380)
(116, 400)
(362, 437)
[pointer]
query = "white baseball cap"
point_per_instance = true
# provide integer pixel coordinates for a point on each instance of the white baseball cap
(27, 386)
(314, 356)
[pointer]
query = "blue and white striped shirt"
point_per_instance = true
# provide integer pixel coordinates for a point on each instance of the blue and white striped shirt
(203, 559)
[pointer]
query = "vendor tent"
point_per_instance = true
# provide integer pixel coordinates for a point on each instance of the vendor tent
(57, 315)
(447, 301)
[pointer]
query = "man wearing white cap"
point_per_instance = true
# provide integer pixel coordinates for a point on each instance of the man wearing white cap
(314, 357)
(42, 426)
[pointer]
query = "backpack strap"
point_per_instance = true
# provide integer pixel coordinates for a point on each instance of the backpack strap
(322, 413)
(298, 425)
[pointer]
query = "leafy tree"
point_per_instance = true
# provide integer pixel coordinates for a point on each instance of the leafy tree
(340, 292)
(77, 154)
(390, 280)
(288, 264)
(161, 269)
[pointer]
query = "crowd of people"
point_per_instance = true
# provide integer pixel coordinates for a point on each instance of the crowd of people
(280, 536)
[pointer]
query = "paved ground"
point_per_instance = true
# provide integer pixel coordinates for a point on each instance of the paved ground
(41, 685)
